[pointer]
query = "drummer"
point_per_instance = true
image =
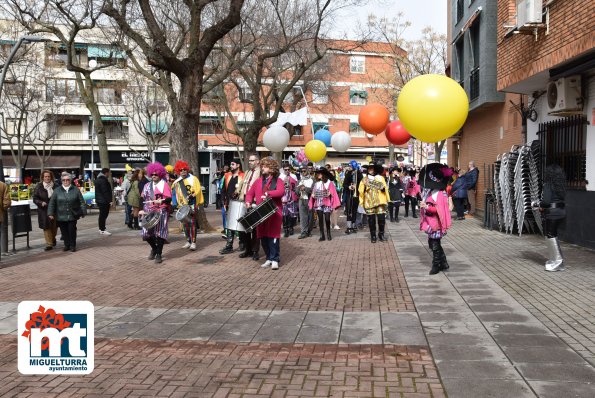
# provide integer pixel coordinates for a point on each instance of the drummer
(250, 240)
(232, 181)
(186, 191)
(269, 185)
(157, 198)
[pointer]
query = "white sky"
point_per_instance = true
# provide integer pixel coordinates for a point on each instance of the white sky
(420, 13)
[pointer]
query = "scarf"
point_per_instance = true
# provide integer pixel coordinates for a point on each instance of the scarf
(49, 186)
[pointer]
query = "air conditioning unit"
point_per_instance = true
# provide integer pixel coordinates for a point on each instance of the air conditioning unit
(564, 94)
(203, 144)
(245, 95)
(528, 12)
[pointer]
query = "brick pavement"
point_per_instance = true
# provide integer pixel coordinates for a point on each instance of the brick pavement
(346, 274)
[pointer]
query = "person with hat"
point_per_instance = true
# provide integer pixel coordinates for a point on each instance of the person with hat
(412, 192)
(304, 191)
(435, 217)
(324, 201)
(250, 239)
(232, 181)
(395, 191)
(374, 196)
(351, 182)
(186, 191)
(289, 200)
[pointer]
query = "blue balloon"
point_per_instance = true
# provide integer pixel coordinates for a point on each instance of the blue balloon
(323, 135)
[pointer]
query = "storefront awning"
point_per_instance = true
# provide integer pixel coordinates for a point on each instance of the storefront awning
(54, 162)
(98, 51)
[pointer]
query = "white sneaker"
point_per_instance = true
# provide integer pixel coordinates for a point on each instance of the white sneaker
(106, 232)
(266, 264)
(186, 245)
(275, 265)
(193, 246)
(336, 227)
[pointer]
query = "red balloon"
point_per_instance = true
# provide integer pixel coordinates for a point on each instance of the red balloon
(396, 133)
(373, 118)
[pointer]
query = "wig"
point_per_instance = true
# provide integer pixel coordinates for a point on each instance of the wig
(181, 165)
(272, 164)
(156, 168)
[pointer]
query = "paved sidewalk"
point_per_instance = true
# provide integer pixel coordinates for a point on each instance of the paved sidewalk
(477, 331)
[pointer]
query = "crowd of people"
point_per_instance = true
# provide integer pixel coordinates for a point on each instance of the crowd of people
(368, 196)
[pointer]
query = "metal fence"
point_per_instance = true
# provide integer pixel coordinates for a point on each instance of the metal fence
(564, 142)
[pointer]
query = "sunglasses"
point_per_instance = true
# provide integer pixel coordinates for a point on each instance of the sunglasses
(154, 175)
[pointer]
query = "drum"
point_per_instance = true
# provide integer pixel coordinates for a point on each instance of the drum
(185, 214)
(235, 210)
(150, 220)
(258, 215)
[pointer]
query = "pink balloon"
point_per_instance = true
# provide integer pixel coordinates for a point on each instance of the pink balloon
(396, 133)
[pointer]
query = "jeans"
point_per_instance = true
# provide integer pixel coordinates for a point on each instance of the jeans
(224, 216)
(127, 214)
(459, 204)
(68, 231)
(103, 213)
(272, 248)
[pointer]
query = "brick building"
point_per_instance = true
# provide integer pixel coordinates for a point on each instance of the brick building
(352, 78)
(546, 51)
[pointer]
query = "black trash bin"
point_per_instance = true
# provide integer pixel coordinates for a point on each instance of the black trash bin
(20, 219)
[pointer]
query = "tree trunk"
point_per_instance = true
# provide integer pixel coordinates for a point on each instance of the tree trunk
(391, 153)
(438, 150)
(183, 137)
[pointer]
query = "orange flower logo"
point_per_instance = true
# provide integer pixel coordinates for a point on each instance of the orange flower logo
(43, 319)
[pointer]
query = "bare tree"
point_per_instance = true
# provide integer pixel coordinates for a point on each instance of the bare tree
(411, 58)
(278, 43)
(70, 21)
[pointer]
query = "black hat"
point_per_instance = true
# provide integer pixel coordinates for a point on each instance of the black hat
(378, 169)
(433, 176)
(324, 171)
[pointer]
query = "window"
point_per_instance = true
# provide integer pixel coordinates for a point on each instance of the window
(245, 94)
(298, 131)
(355, 130)
(16, 88)
(318, 126)
(357, 97)
(357, 64)
(474, 42)
(56, 54)
(109, 92)
(61, 128)
(115, 129)
(460, 10)
(210, 125)
(215, 95)
(62, 89)
(106, 55)
(459, 54)
(564, 142)
(15, 126)
(319, 98)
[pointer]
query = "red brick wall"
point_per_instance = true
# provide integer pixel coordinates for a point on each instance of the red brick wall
(571, 33)
(481, 142)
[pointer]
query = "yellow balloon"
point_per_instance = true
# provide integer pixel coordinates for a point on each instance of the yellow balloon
(432, 107)
(315, 150)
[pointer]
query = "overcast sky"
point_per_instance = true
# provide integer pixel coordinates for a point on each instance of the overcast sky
(420, 13)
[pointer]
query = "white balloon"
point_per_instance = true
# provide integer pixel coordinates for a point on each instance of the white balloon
(341, 141)
(276, 138)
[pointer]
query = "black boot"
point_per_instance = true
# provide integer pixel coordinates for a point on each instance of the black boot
(327, 221)
(229, 245)
(135, 223)
(443, 263)
(381, 225)
(151, 242)
(372, 225)
(321, 225)
(152, 255)
(328, 233)
(158, 259)
(436, 255)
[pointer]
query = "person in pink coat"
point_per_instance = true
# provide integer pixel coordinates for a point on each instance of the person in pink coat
(324, 201)
(412, 191)
(434, 212)
(269, 185)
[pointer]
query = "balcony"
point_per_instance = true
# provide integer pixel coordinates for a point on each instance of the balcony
(474, 84)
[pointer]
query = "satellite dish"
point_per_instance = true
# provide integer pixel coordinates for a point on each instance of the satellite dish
(552, 95)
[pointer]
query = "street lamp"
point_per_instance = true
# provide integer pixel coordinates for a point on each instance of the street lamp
(13, 52)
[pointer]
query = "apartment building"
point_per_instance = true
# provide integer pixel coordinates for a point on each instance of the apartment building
(546, 51)
(350, 78)
(493, 124)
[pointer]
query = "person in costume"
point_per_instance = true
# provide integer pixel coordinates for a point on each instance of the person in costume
(374, 197)
(412, 191)
(250, 239)
(232, 181)
(324, 201)
(435, 217)
(304, 191)
(289, 200)
(552, 205)
(351, 183)
(157, 200)
(186, 191)
(395, 191)
(269, 185)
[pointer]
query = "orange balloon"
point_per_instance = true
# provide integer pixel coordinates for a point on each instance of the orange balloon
(373, 118)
